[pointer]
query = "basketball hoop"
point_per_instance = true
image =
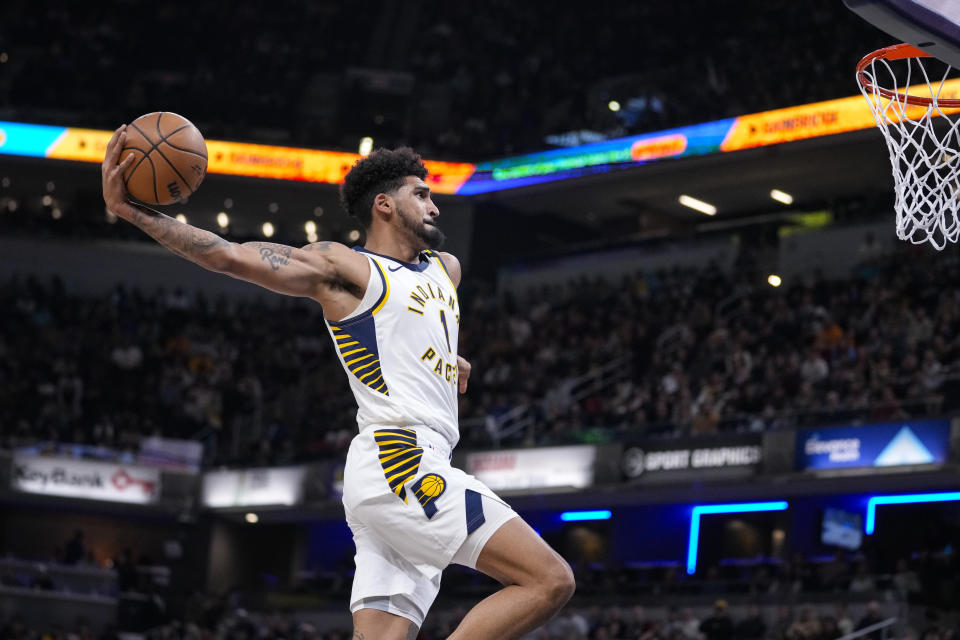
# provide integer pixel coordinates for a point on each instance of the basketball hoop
(923, 140)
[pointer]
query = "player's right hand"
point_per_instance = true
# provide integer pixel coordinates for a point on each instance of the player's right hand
(114, 189)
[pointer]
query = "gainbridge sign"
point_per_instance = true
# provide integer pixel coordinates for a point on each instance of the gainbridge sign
(85, 480)
(917, 442)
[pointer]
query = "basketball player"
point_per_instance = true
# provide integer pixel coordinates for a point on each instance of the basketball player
(392, 310)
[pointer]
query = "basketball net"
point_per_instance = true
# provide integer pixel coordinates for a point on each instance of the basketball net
(923, 140)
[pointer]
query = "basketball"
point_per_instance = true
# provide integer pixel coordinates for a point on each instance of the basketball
(170, 158)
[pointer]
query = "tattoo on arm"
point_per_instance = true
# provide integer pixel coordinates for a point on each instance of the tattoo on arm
(358, 635)
(318, 246)
(413, 632)
(184, 240)
(276, 255)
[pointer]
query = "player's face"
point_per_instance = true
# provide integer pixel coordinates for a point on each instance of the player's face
(418, 214)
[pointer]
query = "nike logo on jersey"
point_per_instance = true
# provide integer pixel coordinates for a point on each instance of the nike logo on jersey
(397, 269)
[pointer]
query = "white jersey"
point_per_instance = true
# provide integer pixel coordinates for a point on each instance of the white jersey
(399, 347)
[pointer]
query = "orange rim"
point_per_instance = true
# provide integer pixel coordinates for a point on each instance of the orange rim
(899, 52)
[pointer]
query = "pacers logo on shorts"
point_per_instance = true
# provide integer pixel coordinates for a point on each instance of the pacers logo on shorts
(428, 489)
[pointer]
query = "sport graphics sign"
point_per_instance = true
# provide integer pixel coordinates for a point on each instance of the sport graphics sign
(86, 480)
(877, 445)
(665, 459)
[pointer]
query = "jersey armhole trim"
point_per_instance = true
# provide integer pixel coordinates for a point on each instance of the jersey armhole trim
(434, 254)
(386, 289)
(373, 308)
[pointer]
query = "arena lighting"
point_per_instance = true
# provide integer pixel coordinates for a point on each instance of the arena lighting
(223, 220)
(613, 105)
(310, 227)
(354, 235)
(366, 146)
(774, 280)
(252, 518)
(870, 524)
(698, 205)
(312, 237)
(47, 200)
(580, 516)
(710, 509)
(781, 196)
(267, 229)
(181, 218)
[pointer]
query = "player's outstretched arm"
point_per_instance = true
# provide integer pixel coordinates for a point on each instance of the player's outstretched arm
(311, 272)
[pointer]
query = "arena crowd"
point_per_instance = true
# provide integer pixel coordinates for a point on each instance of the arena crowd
(461, 81)
(251, 378)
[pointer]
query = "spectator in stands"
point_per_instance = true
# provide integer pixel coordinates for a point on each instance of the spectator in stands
(862, 581)
(752, 627)
(718, 626)
(689, 625)
(871, 617)
(783, 623)
(74, 551)
(806, 627)
(829, 629)
(905, 580)
(844, 621)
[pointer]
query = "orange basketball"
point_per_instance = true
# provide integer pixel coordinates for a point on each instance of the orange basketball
(170, 158)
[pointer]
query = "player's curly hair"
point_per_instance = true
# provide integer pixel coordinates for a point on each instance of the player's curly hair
(382, 171)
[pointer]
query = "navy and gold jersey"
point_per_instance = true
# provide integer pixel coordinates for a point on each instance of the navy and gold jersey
(399, 347)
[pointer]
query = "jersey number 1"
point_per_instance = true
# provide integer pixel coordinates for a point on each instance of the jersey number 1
(446, 332)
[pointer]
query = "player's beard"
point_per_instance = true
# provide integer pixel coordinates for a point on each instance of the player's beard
(429, 235)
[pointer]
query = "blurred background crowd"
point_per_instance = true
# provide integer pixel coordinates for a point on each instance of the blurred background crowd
(462, 81)
(683, 352)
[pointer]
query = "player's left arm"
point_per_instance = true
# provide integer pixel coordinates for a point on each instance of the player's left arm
(456, 273)
(452, 266)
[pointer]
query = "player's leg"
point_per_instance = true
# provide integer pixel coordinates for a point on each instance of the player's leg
(538, 582)
(390, 598)
(373, 624)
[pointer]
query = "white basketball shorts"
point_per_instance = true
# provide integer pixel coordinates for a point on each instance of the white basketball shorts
(412, 514)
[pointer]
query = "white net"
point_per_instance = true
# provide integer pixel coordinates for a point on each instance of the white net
(924, 143)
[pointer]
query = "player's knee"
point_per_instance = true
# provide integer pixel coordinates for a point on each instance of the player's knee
(558, 584)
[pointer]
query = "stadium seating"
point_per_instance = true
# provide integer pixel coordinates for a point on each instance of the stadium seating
(463, 81)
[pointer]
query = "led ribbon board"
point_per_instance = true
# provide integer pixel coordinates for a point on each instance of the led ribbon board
(289, 163)
(231, 158)
(693, 544)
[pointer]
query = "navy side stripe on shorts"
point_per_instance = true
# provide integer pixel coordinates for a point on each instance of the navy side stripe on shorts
(474, 508)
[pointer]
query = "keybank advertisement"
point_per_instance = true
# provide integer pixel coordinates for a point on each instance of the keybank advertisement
(87, 480)
(876, 445)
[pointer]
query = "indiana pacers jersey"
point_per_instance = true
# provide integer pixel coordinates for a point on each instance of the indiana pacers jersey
(399, 348)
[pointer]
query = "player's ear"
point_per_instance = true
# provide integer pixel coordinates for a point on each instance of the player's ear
(383, 203)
